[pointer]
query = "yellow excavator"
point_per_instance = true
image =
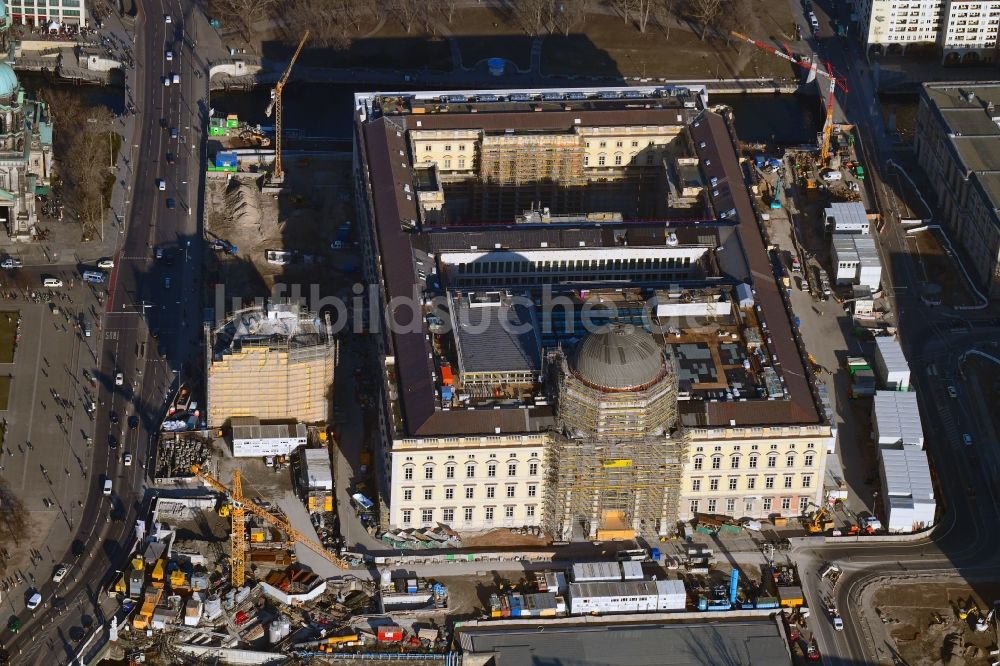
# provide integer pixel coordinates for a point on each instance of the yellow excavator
(818, 521)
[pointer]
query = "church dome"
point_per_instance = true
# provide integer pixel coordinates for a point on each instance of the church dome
(620, 359)
(8, 80)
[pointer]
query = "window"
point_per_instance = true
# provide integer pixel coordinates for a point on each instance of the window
(694, 506)
(461, 162)
(510, 491)
(532, 490)
(491, 470)
(618, 144)
(489, 513)
(508, 511)
(698, 462)
(748, 507)
(786, 503)
(716, 462)
(711, 506)
(447, 148)
(529, 511)
(533, 469)
(468, 513)
(428, 473)
(713, 484)
(586, 160)
(449, 493)
(407, 516)
(635, 144)
(788, 481)
(600, 160)
(511, 469)
(733, 482)
(470, 471)
(734, 462)
(427, 148)
(426, 515)
(428, 494)
(696, 485)
(767, 504)
(753, 462)
(461, 147)
(769, 482)
(751, 482)
(407, 495)
(603, 144)
(449, 472)
(447, 515)
(408, 474)
(491, 492)
(806, 481)
(470, 492)
(803, 504)
(808, 460)
(618, 160)
(447, 163)
(772, 461)
(790, 460)
(730, 505)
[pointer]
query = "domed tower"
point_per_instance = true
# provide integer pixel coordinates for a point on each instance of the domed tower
(615, 469)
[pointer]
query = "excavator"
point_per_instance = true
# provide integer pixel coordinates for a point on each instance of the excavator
(818, 521)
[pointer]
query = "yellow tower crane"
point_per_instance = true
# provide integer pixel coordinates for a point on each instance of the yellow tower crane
(238, 506)
(810, 64)
(275, 104)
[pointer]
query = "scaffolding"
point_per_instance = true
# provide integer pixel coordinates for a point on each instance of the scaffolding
(617, 471)
(515, 159)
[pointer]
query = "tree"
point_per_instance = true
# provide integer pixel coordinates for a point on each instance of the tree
(623, 7)
(409, 12)
(246, 12)
(705, 13)
(665, 11)
(533, 15)
(570, 13)
(13, 515)
(643, 8)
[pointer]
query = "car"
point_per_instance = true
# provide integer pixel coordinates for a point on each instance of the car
(170, 158)
(831, 175)
(11, 262)
(114, 417)
(166, 282)
(127, 459)
(52, 282)
(967, 438)
(952, 393)
(34, 601)
(170, 55)
(133, 422)
(163, 123)
(171, 204)
(166, 81)
(60, 573)
(107, 486)
(119, 379)
(112, 442)
(167, 18)
(161, 184)
(14, 625)
(173, 132)
(175, 78)
(838, 623)
(106, 263)
(158, 252)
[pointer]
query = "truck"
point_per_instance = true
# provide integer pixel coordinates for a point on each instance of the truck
(859, 171)
(220, 245)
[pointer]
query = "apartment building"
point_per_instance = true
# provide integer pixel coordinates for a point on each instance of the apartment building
(45, 13)
(957, 143)
(754, 472)
(965, 31)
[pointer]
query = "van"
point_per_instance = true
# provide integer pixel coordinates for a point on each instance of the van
(96, 277)
(176, 78)
(52, 282)
(107, 486)
(830, 176)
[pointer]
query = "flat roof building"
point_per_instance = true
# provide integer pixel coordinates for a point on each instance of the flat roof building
(896, 419)
(251, 437)
(908, 489)
(847, 217)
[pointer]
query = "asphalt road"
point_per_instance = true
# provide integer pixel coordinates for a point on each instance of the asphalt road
(964, 543)
(141, 299)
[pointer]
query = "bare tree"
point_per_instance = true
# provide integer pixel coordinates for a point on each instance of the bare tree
(706, 13)
(448, 9)
(624, 8)
(570, 14)
(246, 12)
(643, 9)
(13, 515)
(409, 12)
(533, 15)
(665, 11)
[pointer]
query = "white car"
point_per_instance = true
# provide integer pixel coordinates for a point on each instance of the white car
(166, 81)
(170, 55)
(106, 263)
(838, 623)
(60, 573)
(35, 601)
(831, 176)
(161, 184)
(127, 459)
(119, 379)
(167, 19)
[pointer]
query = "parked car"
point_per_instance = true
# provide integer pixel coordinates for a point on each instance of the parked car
(106, 263)
(60, 573)
(35, 601)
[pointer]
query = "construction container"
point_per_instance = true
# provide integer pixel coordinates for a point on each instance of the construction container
(627, 597)
(232, 121)
(790, 596)
(411, 585)
(225, 159)
(588, 572)
(159, 570)
(891, 365)
(328, 503)
(390, 634)
(632, 570)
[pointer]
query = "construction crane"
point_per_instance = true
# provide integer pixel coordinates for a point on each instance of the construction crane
(238, 506)
(275, 104)
(809, 64)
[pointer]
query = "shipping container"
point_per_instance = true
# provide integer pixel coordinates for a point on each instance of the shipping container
(390, 634)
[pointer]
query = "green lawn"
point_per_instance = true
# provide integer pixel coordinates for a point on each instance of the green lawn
(8, 334)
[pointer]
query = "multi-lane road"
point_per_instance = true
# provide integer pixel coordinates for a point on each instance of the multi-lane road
(147, 296)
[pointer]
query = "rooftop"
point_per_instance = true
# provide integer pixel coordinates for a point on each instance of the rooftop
(495, 333)
(250, 427)
(619, 359)
(735, 643)
(897, 419)
(907, 475)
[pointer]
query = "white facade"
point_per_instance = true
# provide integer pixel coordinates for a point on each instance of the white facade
(847, 218)
(627, 597)
(856, 261)
(909, 491)
(970, 26)
(64, 12)
(845, 260)
(890, 22)
(753, 472)
(965, 30)
(252, 438)
(891, 366)
(896, 420)
(469, 483)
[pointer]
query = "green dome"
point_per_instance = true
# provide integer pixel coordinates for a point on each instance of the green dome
(8, 79)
